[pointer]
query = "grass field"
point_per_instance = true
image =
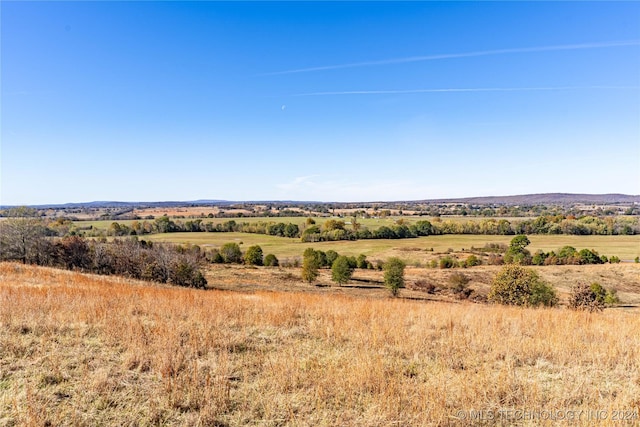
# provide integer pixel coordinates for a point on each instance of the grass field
(625, 247)
(369, 283)
(83, 350)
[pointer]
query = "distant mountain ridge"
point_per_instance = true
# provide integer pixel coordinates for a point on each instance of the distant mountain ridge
(544, 198)
(525, 199)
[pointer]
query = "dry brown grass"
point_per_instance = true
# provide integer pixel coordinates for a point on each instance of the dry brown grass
(623, 277)
(84, 350)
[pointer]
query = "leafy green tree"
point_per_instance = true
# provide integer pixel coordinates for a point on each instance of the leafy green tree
(341, 271)
(271, 261)
(253, 256)
(424, 228)
(516, 285)
(331, 256)
(164, 225)
(291, 230)
(362, 261)
(384, 232)
(231, 253)
(394, 275)
(310, 265)
(517, 254)
(333, 224)
(589, 257)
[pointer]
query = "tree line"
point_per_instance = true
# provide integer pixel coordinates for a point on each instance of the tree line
(338, 229)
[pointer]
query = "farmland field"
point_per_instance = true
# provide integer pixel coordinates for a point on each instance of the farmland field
(77, 349)
(625, 247)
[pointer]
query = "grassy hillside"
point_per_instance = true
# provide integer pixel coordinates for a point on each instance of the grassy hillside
(84, 350)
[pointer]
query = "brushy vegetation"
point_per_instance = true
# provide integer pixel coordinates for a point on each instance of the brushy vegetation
(592, 297)
(77, 349)
(516, 285)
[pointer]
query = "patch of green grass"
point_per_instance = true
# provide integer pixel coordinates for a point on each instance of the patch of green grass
(626, 247)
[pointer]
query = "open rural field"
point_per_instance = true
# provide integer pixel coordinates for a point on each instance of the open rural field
(369, 283)
(81, 350)
(413, 250)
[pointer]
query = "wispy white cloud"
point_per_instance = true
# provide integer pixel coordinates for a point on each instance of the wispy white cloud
(476, 89)
(580, 46)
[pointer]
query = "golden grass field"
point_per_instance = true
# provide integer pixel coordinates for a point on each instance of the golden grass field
(77, 349)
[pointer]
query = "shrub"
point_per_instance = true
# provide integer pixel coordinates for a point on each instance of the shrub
(539, 258)
(423, 285)
(271, 261)
(362, 261)
(543, 294)
(516, 285)
(253, 256)
(185, 273)
(586, 297)
(495, 259)
(231, 253)
(614, 260)
(447, 262)
(589, 257)
(472, 261)
(459, 283)
(612, 297)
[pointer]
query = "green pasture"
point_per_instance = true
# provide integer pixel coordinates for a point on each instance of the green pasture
(625, 247)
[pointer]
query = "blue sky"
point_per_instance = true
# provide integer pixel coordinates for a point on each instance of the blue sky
(149, 101)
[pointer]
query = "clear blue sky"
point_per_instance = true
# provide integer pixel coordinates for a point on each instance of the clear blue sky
(148, 101)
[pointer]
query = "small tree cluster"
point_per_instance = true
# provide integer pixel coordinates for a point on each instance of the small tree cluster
(230, 253)
(568, 255)
(341, 266)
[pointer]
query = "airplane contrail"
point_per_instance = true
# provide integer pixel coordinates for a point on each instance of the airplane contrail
(462, 55)
(477, 89)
